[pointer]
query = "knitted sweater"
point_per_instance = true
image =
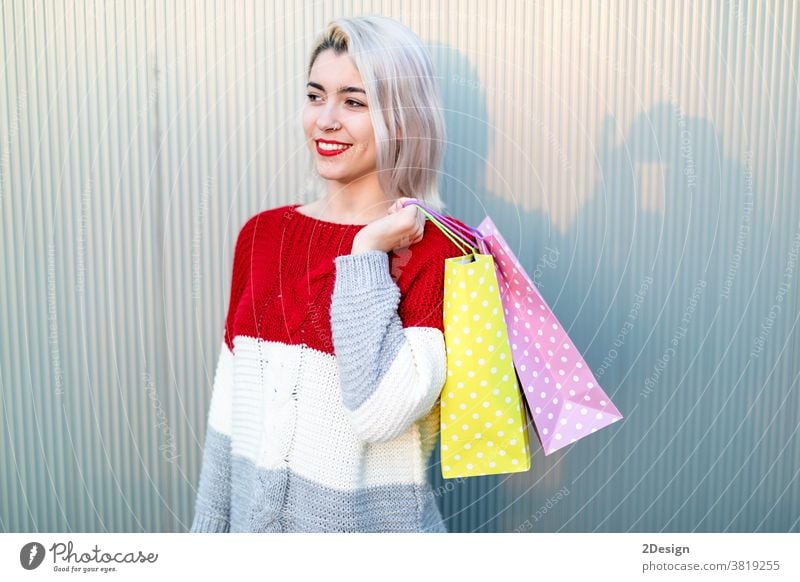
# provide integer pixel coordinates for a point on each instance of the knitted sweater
(325, 403)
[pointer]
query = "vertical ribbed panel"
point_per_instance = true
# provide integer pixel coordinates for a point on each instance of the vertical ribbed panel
(641, 158)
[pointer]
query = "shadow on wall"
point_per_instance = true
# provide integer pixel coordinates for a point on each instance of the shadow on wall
(653, 282)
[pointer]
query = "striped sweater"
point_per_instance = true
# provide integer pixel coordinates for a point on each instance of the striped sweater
(325, 404)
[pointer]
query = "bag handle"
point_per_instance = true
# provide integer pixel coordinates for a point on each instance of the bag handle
(459, 235)
(467, 231)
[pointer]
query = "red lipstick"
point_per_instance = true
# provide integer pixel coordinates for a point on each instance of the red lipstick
(332, 151)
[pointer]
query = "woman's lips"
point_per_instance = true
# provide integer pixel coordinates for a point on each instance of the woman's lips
(330, 153)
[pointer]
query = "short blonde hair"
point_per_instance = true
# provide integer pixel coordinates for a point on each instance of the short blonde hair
(405, 106)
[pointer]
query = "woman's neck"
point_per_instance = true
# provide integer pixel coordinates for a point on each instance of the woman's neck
(352, 204)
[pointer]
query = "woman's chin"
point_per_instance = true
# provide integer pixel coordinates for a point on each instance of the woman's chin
(326, 174)
(329, 171)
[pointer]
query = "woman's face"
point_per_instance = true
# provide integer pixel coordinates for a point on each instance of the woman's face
(347, 111)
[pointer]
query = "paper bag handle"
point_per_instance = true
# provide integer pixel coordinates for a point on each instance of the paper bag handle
(460, 236)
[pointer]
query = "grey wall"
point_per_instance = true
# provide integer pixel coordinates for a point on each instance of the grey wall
(640, 157)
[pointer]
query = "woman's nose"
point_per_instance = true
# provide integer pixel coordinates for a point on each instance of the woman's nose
(327, 117)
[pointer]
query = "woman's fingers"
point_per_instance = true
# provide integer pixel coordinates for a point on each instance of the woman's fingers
(398, 205)
(410, 226)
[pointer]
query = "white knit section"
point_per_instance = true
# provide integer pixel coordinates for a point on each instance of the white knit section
(409, 387)
(219, 414)
(315, 431)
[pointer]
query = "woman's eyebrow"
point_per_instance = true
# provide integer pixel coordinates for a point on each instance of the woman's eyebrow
(341, 90)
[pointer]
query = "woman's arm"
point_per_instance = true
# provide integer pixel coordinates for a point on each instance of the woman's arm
(391, 375)
(212, 508)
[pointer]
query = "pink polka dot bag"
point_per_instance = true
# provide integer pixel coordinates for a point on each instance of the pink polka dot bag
(564, 398)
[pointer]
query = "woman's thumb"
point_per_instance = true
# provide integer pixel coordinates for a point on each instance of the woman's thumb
(397, 206)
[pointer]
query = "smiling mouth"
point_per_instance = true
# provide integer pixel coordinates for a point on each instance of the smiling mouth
(329, 149)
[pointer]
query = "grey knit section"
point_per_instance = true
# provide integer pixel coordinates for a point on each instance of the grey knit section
(258, 497)
(365, 347)
(432, 521)
(212, 509)
(269, 500)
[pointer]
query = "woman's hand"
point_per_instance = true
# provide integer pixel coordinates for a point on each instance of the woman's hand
(400, 228)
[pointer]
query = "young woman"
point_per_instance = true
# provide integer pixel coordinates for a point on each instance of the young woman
(325, 406)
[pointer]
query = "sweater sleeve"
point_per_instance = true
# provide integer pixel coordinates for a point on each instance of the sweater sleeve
(212, 506)
(391, 375)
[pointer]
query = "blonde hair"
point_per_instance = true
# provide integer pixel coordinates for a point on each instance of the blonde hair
(405, 108)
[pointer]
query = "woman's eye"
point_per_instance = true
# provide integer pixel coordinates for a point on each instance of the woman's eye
(314, 98)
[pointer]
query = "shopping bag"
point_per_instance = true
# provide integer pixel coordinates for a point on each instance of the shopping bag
(564, 398)
(483, 422)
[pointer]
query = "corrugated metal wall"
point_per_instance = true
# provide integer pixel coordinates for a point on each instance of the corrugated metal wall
(641, 158)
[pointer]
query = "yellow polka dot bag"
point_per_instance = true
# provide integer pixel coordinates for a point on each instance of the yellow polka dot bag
(483, 419)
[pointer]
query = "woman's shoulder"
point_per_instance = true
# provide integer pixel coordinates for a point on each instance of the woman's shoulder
(262, 222)
(255, 234)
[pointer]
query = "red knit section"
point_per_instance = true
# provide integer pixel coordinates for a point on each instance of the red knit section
(284, 272)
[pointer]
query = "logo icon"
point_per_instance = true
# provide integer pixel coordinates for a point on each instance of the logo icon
(31, 555)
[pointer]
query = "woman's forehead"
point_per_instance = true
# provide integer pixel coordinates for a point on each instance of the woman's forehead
(334, 68)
